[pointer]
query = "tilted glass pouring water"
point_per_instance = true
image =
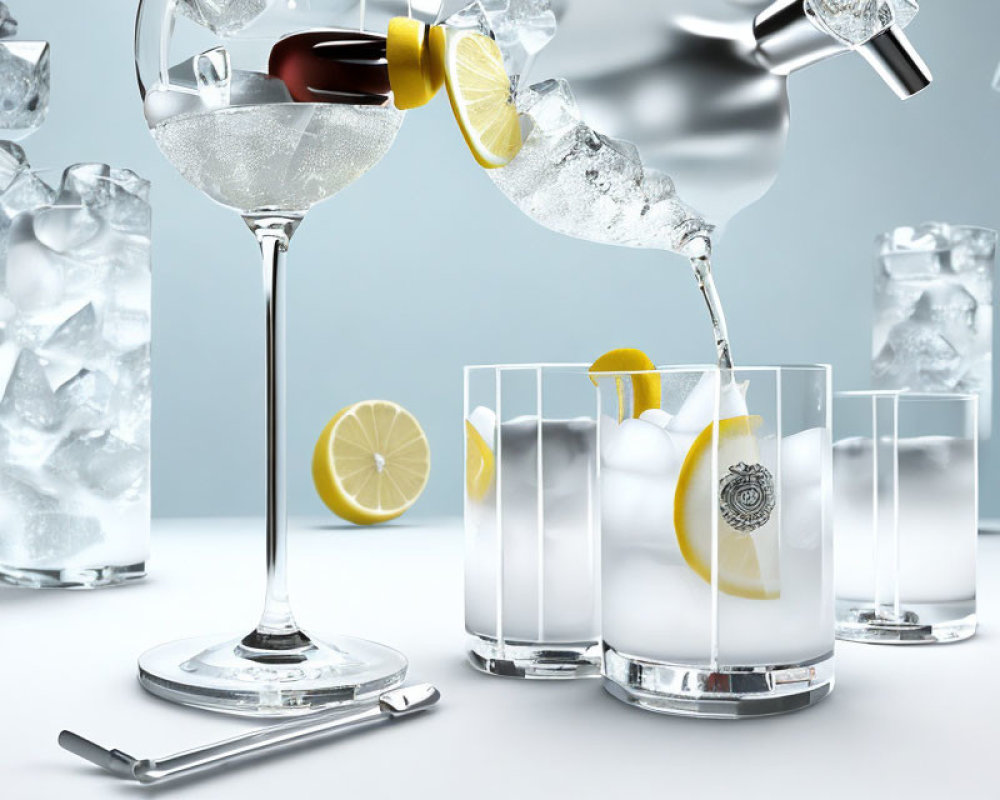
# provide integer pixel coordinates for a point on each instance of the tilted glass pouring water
(631, 145)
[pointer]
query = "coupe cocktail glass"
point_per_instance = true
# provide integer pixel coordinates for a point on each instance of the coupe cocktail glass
(905, 472)
(531, 521)
(716, 532)
(269, 150)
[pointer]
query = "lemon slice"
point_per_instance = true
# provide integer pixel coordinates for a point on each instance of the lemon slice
(414, 77)
(479, 464)
(645, 388)
(481, 97)
(748, 562)
(371, 462)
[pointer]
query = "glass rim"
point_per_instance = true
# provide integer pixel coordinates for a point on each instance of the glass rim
(706, 369)
(906, 395)
(662, 370)
(885, 236)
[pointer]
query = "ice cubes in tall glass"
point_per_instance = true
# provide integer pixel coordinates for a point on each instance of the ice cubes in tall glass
(75, 375)
(933, 327)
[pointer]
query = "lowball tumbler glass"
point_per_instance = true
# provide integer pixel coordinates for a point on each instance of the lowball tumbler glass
(905, 474)
(716, 527)
(531, 521)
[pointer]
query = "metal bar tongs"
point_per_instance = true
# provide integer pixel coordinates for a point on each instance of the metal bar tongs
(391, 705)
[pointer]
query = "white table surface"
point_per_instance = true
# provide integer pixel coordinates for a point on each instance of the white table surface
(902, 722)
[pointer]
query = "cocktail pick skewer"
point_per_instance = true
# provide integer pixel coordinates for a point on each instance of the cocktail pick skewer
(333, 66)
(391, 705)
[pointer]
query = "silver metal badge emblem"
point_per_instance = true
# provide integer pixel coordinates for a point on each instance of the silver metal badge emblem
(746, 497)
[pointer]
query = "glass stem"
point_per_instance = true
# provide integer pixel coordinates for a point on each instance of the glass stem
(277, 628)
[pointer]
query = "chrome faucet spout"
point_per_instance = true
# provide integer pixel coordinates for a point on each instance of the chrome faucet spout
(793, 34)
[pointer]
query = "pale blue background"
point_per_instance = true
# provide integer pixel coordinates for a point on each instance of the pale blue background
(422, 266)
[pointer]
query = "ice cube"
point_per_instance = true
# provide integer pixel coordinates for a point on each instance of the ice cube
(12, 161)
(116, 196)
(213, 74)
(86, 399)
(641, 447)
(26, 192)
(8, 25)
(29, 397)
(35, 277)
(24, 87)
(918, 356)
(484, 420)
(906, 10)
(521, 28)
(921, 252)
(974, 251)
(657, 417)
(803, 459)
(102, 462)
(550, 105)
(579, 183)
(636, 506)
(225, 17)
(697, 411)
(77, 337)
(132, 400)
(127, 328)
(852, 21)
(947, 304)
(56, 536)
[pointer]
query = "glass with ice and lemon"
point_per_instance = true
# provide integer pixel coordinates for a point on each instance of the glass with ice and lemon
(716, 577)
(531, 521)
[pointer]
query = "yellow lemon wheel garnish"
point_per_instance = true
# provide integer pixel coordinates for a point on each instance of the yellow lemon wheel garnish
(645, 388)
(414, 77)
(479, 464)
(481, 98)
(371, 462)
(748, 563)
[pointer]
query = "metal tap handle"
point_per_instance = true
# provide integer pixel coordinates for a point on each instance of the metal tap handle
(789, 38)
(397, 703)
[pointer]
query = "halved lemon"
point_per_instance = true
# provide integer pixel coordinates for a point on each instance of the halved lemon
(748, 562)
(480, 464)
(371, 462)
(481, 97)
(415, 74)
(646, 388)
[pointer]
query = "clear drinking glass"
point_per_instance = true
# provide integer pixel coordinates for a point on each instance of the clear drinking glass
(75, 413)
(933, 327)
(531, 521)
(269, 107)
(716, 531)
(906, 487)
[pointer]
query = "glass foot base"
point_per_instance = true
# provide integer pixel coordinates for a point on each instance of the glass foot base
(71, 578)
(235, 678)
(922, 623)
(728, 693)
(535, 660)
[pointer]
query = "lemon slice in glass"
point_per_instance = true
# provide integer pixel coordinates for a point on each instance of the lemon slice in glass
(646, 388)
(481, 97)
(480, 464)
(748, 562)
(371, 462)
(412, 52)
